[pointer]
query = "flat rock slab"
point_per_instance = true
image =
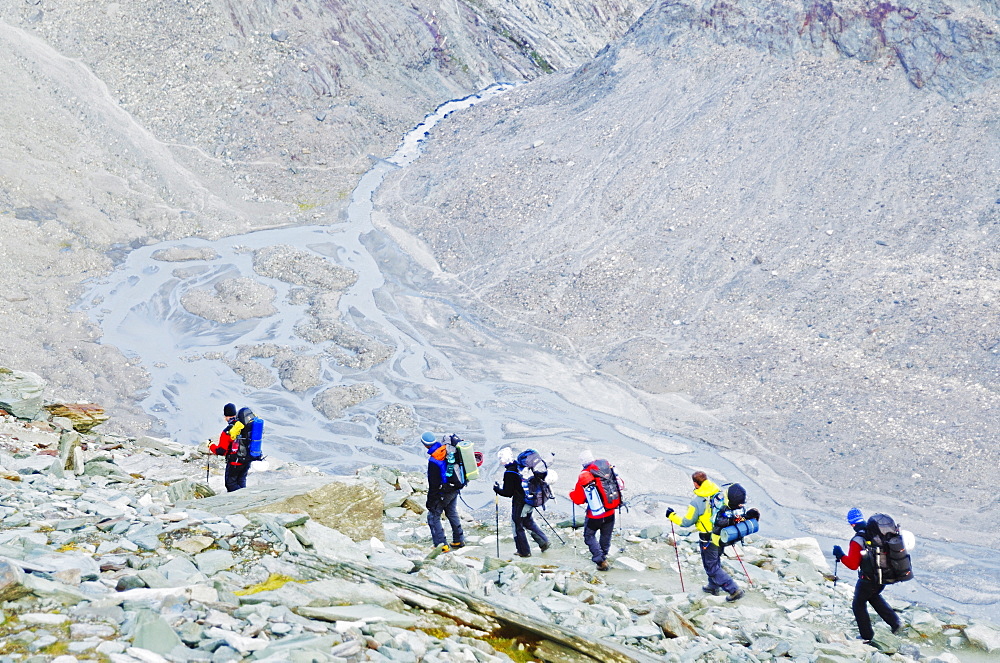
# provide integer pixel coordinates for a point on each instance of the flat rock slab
(391, 560)
(983, 637)
(214, 561)
(359, 613)
(630, 564)
(351, 505)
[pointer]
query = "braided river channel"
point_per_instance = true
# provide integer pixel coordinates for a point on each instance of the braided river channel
(448, 371)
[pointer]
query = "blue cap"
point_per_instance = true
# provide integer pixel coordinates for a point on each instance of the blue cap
(855, 517)
(427, 438)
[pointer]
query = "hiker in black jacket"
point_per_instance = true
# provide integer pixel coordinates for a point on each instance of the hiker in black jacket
(520, 513)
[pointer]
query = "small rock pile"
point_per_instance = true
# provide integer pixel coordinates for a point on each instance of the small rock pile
(118, 549)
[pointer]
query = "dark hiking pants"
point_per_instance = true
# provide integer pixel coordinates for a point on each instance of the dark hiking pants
(599, 549)
(236, 476)
(865, 593)
(447, 504)
(521, 517)
(711, 560)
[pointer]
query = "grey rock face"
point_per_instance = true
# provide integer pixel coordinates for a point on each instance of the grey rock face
(21, 393)
(153, 633)
(349, 504)
(950, 48)
(11, 581)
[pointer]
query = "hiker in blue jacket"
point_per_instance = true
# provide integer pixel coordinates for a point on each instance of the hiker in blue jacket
(443, 489)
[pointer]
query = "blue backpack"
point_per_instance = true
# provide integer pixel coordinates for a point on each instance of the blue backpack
(250, 440)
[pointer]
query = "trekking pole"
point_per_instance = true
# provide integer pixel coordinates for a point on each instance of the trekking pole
(677, 545)
(208, 467)
(573, 528)
(561, 540)
(496, 507)
(749, 581)
(621, 527)
(836, 566)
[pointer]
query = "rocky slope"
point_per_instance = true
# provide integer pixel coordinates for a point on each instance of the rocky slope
(128, 124)
(785, 212)
(114, 549)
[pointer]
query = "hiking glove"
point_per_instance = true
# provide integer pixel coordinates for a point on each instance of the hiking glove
(670, 510)
(838, 552)
(496, 488)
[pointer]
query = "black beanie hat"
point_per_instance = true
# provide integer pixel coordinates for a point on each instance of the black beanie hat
(736, 496)
(229, 410)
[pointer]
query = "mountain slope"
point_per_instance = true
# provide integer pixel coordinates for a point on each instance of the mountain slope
(774, 218)
(128, 124)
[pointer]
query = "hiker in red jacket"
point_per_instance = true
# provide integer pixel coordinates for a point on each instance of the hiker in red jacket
(867, 590)
(228, 444)
(603, 522)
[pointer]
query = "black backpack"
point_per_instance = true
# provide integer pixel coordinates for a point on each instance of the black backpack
(534, 471)
(885, 560)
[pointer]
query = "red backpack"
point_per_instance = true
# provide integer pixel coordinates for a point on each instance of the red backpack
(608, 485)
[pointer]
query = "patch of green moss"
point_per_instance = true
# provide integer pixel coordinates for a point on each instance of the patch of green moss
(541, 62)
(525, 48)
(510, 646)
(59, 648)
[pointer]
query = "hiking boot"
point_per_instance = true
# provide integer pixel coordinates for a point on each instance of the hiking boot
(603, 565)
(708, 589)
(459, 544)
(897, 628)
(524, 555)
(444, 548)
(544, 546)
(735, 596)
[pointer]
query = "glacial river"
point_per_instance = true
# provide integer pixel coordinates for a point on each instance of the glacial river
(493, 390)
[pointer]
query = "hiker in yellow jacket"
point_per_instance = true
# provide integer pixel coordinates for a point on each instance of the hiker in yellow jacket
(701, 515)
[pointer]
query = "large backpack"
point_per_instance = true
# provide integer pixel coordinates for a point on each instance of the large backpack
(885, 560)
(534, 472)
(730, 519)
(605, 493)
(249, 441)
(460, 470)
